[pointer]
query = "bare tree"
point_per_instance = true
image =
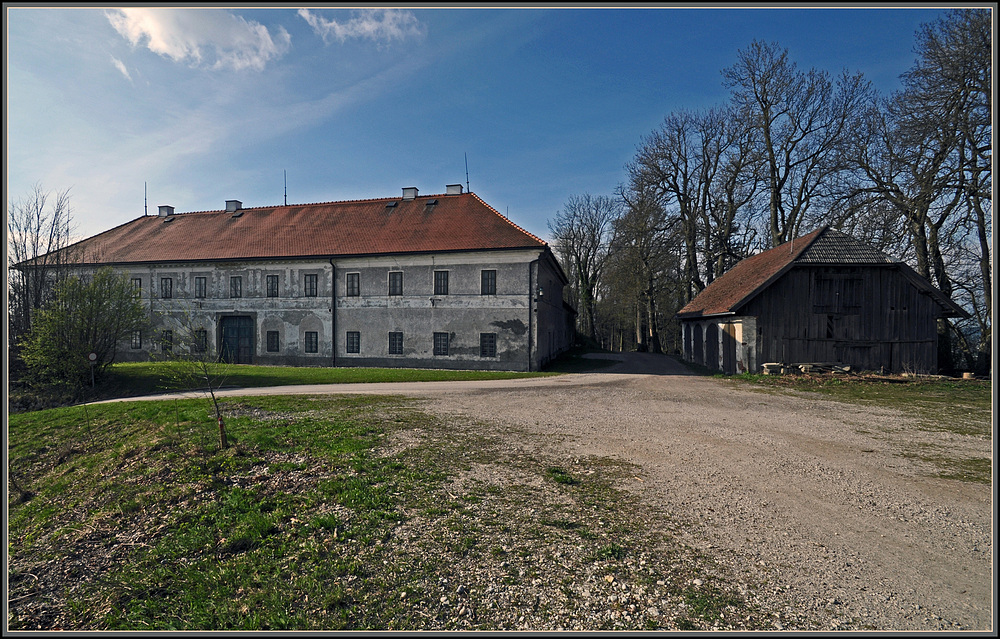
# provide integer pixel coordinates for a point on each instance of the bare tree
(803, 119)
(927, 151)
(580, 236)
(705, 169)
(954, 68)
(38, 232)
(731, 148)
(669, 165)
(644, 250)
(194, 365)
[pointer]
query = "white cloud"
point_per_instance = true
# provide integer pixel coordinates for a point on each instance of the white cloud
(379, 25)
(201, 37)
(121, 67)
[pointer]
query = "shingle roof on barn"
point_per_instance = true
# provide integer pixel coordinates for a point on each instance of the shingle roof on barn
(459, 222)
(833, 247)
(825, 245)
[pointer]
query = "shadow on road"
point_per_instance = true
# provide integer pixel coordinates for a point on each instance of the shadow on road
(623, 364)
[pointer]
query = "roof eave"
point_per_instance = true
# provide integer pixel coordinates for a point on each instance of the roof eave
(279, 258)
(700, 315)
(951, 309)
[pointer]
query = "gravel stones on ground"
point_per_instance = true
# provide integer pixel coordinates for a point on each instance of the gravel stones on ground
(814, 498)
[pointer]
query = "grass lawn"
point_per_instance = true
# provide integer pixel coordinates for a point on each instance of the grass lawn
(147, 378)
(133, 379)
(330, 513)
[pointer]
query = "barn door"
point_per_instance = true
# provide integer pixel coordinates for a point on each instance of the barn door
(712, 346)
(729, 348)
(237, 340)
(699, 345)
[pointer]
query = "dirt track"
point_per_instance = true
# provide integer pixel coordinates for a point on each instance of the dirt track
(813, 495)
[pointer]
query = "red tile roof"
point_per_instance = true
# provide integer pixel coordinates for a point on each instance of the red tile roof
(460, 222)
(745, 279)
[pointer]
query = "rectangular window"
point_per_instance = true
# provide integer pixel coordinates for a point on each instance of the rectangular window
(396, 343)
(487, 344)
(201, 287)
(353, 342)
(312, 285)
(137, 287)
(200, 340)
(166, 288)
(312, 342)
(236, 286)
(167, 341)
(272, 342)
(272, 286)
(395, 282)
(353, 284)
(136, 339)
(440, 343)
(489, 282)
(440, 282)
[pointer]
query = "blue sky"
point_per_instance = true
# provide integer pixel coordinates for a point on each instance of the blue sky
(205, 105)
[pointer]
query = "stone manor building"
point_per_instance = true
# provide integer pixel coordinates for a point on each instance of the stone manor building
(440, 281)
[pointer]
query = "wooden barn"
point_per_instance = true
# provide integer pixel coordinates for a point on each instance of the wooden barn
(824, 298)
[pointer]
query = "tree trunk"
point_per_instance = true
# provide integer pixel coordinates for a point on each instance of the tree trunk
(640, 333)
(654, 333)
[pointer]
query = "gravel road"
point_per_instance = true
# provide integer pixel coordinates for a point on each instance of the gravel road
(813, 495)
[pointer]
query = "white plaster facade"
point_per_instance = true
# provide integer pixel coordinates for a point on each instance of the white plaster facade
(339, 312)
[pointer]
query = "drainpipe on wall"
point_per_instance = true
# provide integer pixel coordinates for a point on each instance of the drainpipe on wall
(152, 313)
(333, 309)
(532, 269)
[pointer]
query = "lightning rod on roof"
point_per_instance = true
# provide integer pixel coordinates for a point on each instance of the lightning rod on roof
(145, 201)
(467, 189)
(285, 174)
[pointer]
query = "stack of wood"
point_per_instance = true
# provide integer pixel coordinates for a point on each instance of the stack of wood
(823, 367)
(777, 368)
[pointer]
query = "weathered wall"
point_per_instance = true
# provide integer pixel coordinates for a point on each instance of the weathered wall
(463, 313)
(553, 334)
(291, 313)
(515, 313)
(870, 318)
(726, 344)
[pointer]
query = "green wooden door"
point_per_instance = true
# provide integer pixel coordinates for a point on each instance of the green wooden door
(237, 340)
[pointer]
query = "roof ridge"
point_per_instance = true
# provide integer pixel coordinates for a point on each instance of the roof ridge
(327, 202)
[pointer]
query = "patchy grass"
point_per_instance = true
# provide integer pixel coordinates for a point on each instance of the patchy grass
(969, 469)
(708, 604)
(560, 476)
(328, 513)
(959, 407)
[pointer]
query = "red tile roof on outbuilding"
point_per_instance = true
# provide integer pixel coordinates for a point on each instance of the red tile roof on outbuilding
(825, 245)
(434, 223)
(742, 281)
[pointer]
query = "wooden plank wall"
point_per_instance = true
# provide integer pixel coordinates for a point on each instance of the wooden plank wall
(871, 318)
